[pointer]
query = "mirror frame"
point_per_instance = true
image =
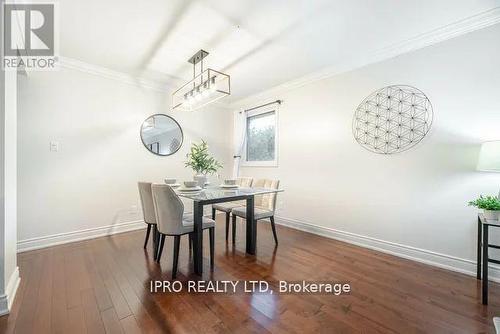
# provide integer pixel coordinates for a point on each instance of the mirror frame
(158, 154)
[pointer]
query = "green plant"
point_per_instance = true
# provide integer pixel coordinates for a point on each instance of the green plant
(200, 161)
(487, 203)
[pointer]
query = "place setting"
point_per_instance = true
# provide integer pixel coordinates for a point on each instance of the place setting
(229, 184)
(172, 183)
(189, 186)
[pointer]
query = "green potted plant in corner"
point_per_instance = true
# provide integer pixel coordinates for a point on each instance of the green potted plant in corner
(490, 206)
(201, 162)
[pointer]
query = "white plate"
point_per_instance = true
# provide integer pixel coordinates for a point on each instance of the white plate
(183, 188)
(174, 185)
(229, 186)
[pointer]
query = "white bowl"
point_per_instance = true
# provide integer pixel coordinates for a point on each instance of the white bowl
(190, 184)
(230, 182)
(170, 181)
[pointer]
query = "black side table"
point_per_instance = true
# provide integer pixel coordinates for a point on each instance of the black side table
(482, 251)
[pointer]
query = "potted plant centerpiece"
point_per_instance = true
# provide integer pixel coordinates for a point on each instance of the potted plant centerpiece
(490, 206)
(201, 162)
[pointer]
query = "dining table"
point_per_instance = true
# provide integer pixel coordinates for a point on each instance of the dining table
(218, 194)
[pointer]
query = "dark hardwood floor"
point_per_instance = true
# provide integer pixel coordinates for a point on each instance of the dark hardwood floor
(102, 286)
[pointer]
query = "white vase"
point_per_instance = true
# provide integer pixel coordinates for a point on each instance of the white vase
(201, 179)
(492, 214)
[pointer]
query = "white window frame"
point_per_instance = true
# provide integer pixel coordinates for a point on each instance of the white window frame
(273, 163)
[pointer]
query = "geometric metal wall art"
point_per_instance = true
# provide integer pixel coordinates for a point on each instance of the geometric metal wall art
(392, 119)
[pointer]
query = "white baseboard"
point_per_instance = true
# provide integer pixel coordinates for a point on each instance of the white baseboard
(7, 299)
(412, 253)
(63, 238)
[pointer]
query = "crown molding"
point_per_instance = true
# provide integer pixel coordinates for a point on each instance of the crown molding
(107, 73)
(449, 31)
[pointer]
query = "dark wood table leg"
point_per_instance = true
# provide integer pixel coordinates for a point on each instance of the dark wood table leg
(479, 245)
(198, 238)
(251, 232)
(485, 264)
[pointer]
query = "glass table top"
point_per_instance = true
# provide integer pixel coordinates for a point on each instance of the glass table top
(217, 192)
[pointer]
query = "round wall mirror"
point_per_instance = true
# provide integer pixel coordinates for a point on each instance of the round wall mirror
(161, 135)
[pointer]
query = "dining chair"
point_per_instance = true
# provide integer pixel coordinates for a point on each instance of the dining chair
(148, 212)
(244, 182)
(172, 221)
(264, 206)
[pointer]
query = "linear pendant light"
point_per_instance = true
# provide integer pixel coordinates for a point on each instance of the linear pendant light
(206, 87)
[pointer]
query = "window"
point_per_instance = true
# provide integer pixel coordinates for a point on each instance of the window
(261, 139)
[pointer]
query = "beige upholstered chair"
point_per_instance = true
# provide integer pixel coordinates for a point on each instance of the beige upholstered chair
(244, 182)
(172, 221)
(496, 323)
(148, 212)
(265, 205)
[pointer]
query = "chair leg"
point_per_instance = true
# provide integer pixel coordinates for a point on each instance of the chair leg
(190, 237)
(160, 250)
(228, 214)
(156, 241)
(177, 242)
(211, 232)
(234, 229)
(147, 236)
(273, 226)
(213, 213)
(255, 227)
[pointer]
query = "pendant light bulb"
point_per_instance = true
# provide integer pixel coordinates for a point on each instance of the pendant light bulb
(213, 85)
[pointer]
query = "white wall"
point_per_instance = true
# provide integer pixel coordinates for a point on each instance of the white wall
(3, 306)
(9, 274)
(11, 271)
(91, 182)
(416, 199)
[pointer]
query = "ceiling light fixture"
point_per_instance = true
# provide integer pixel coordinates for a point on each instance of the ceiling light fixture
(206, 87)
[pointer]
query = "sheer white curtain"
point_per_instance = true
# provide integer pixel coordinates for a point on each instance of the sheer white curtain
(240, 129)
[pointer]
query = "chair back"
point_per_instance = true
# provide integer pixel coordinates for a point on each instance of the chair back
(244, 182)
(148, 210)
(169, 209)
(266, 201)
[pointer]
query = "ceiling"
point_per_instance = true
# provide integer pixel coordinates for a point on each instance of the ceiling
(260, 43)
